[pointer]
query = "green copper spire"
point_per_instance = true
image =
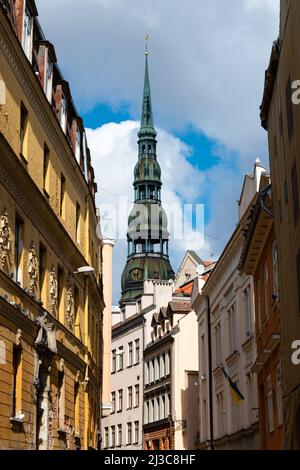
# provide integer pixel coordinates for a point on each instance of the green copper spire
(147, 115)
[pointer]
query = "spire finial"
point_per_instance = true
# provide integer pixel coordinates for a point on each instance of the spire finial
(147, 37)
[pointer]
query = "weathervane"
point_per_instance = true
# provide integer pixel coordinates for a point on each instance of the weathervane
(147, 37)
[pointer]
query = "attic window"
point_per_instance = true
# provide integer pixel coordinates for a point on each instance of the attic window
(49, 79)
(63, 113)
(27, 33)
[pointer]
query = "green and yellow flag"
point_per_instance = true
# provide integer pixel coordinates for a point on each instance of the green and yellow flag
(236, 394)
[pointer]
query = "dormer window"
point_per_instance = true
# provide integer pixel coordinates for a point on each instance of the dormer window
(63, 113)
(27, 34)
(49, 79)
(78, 146)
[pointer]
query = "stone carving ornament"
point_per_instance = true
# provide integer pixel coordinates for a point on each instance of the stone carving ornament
(4, 239)
(33, 267)
(53, 291)
(70, 308)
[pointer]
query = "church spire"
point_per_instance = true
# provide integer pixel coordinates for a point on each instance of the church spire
(147, 125)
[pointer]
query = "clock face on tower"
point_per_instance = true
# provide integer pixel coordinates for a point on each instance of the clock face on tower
(136, 274)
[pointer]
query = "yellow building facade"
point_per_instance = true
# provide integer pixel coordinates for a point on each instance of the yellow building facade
(51, 311)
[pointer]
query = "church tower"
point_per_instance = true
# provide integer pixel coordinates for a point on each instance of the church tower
(148, 236)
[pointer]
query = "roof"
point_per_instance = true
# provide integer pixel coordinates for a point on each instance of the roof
(177, 306)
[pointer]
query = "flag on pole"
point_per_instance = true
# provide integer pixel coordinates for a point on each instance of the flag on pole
(235, 392)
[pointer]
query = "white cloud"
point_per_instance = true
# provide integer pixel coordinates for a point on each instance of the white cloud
(207, 60)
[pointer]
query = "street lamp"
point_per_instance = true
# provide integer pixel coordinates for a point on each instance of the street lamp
(85, 270)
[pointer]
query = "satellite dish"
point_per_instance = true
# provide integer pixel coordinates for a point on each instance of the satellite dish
(200, 269)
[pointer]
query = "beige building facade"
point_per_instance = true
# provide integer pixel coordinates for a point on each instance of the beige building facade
(51, 300)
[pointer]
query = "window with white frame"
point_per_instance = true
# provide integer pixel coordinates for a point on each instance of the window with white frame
(129, 433)
(163, 407)
(137, 351)
(279, 395)
(248, 310)
(275, 270)
(130, 354)
(168, 363)
(113, 436)
(113, 402)
(147, 373)
(162, 366)
(266, 290)
(147, 412)
(63, 113)
(119, 435)
(49, 78)
(78, 146)
(232, 329)
(137, 396)
(136, 432)
(27, 36)
(151, 371)
(121, 358)
(120, 400)
(113, 361)
(270, 405)
(106, 438)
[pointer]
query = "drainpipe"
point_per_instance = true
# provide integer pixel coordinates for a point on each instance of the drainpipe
(210, 385)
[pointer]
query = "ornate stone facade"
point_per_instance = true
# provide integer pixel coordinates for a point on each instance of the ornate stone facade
(4, 239)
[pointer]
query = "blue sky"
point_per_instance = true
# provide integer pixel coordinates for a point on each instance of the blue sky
(207, 62)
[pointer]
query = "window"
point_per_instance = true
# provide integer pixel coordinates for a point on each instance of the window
(129, 398)
(151, 368)
(232, 329)
(27, 34)
(42, 272)
(266, 290)
(275, 270)
(121, 358)
(279, 395)
(248, 311)
(120, 404)
(249, 383)
(235, 410)
(62, 196)
(162, 366)
(49, 79)
(147, 413)
(76, 406)
(17, 381)
(106, 438)
(168, 363)
(157, 407)
(113, 402)
(113, 436)
(221, 414)
(119, 435)
(46, 170)
(61, 400)
(289, 108)
(77, 326)
(137, 351)
(19, 233)
(23, 130)
(270, 405)
(78, 146)
(136, 432)
(63, 113)
(114, 361)
(77, 228)
(163, 407)
(295, 193)
(258, 304)
(130, 354)
(218, 343)
(129, 433)
(147, 373)
(156, 366)
(137, 396)
(204, 421)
